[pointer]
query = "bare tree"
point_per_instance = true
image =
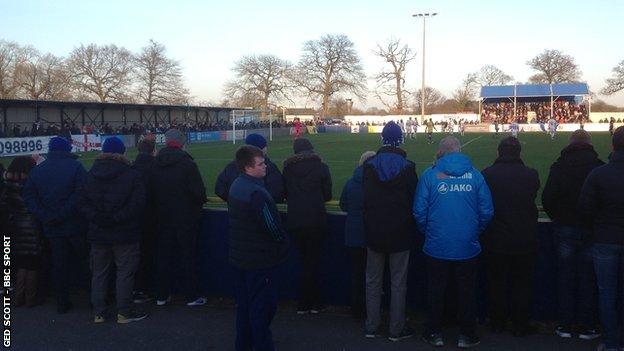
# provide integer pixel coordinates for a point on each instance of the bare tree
(433, 97)
(554, 67)
(159, 77)
(44, 76)
(391, 81)
(102, 72)
(264, 79)
(491, 75)
(12, 56)
(616, 83)
(330, 65)
(466, 92)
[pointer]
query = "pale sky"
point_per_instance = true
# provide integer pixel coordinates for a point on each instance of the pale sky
(207, 37)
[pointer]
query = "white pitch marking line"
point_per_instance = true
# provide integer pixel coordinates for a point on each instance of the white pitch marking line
(470, 141)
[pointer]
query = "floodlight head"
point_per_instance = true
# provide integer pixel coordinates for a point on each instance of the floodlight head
(433, 14)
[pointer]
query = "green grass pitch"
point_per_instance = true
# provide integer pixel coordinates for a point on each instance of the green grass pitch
(341, 152)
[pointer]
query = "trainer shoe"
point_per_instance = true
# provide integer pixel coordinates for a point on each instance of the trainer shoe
(317, 309)
(200, 301)
(372, 334)
(130, 316)
(433, 339)
(588, 334)
(407, 332)
(163, 302)
(563, 332)
(141, 297)
(466, 342)
(99, 319)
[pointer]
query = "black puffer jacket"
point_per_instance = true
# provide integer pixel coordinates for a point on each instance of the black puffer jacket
(514, 186)
(23, 227)
(389, 185)
(112, 199)
(565, 181)
(179, 192)
(145, 164)
(308, 186)
(273, 181)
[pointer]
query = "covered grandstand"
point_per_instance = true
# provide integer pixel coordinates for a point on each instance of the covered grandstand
(568, 103)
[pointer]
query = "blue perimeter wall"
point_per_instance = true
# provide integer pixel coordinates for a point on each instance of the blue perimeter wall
(216, 275)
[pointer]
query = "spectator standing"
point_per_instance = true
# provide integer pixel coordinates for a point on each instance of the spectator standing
(389, 182)
(453, 205)
(50, 194)
(308, 186)
(25, 232)
(258, 244)
(510, 242)
(578, 301)
(144, 164)
(112, 200)
(352, 202)
(179, 195)
(272, 181)
(602, 202)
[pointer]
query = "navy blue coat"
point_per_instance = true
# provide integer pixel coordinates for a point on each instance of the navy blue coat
(352, 202)
(50, 194)
(602, 201)
(112, 200)
(257, 237)
(273, 181)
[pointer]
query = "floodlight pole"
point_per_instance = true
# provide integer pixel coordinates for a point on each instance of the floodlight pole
(271, 127)
(422, 90)
(233, 127)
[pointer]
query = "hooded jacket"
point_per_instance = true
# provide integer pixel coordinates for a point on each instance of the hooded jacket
(565, 181)
(308, 186)
(453, 206)
(389, 183)
(178, 189)
(112, 199)
(50, 194)
(25, 230)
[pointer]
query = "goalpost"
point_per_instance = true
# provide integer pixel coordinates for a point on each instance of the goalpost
(235, 115)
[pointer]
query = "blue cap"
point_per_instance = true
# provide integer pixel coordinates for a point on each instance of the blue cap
(113, 145)
(59, 144)
(256, 140)
(392, 135)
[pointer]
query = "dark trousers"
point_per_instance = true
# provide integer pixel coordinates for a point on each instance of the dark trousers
(125, 258)
(578, 295)
(510, 287)
(256, 303)
(179, 244)
(144, 274)
(439, 273)
(65, 252)
(609, 265)
(358, 280)
(310, 245)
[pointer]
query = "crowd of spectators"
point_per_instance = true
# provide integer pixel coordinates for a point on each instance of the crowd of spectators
(563, 111)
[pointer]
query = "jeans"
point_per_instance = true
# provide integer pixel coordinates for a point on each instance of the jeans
(65, 252)
(181, 243)
(125, 257)
(439, 273)
(310, 245)
(510, 287)
(375, 264)
(256, 303)
(609, 265)
(578, 300)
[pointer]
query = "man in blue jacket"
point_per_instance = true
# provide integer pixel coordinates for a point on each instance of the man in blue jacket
(453, 205)
(272, 181)
(258, 243)
(50, 194)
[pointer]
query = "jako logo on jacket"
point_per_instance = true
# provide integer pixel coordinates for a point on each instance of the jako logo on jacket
(453, 205)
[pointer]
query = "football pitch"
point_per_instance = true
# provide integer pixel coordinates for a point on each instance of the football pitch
(341, 152)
